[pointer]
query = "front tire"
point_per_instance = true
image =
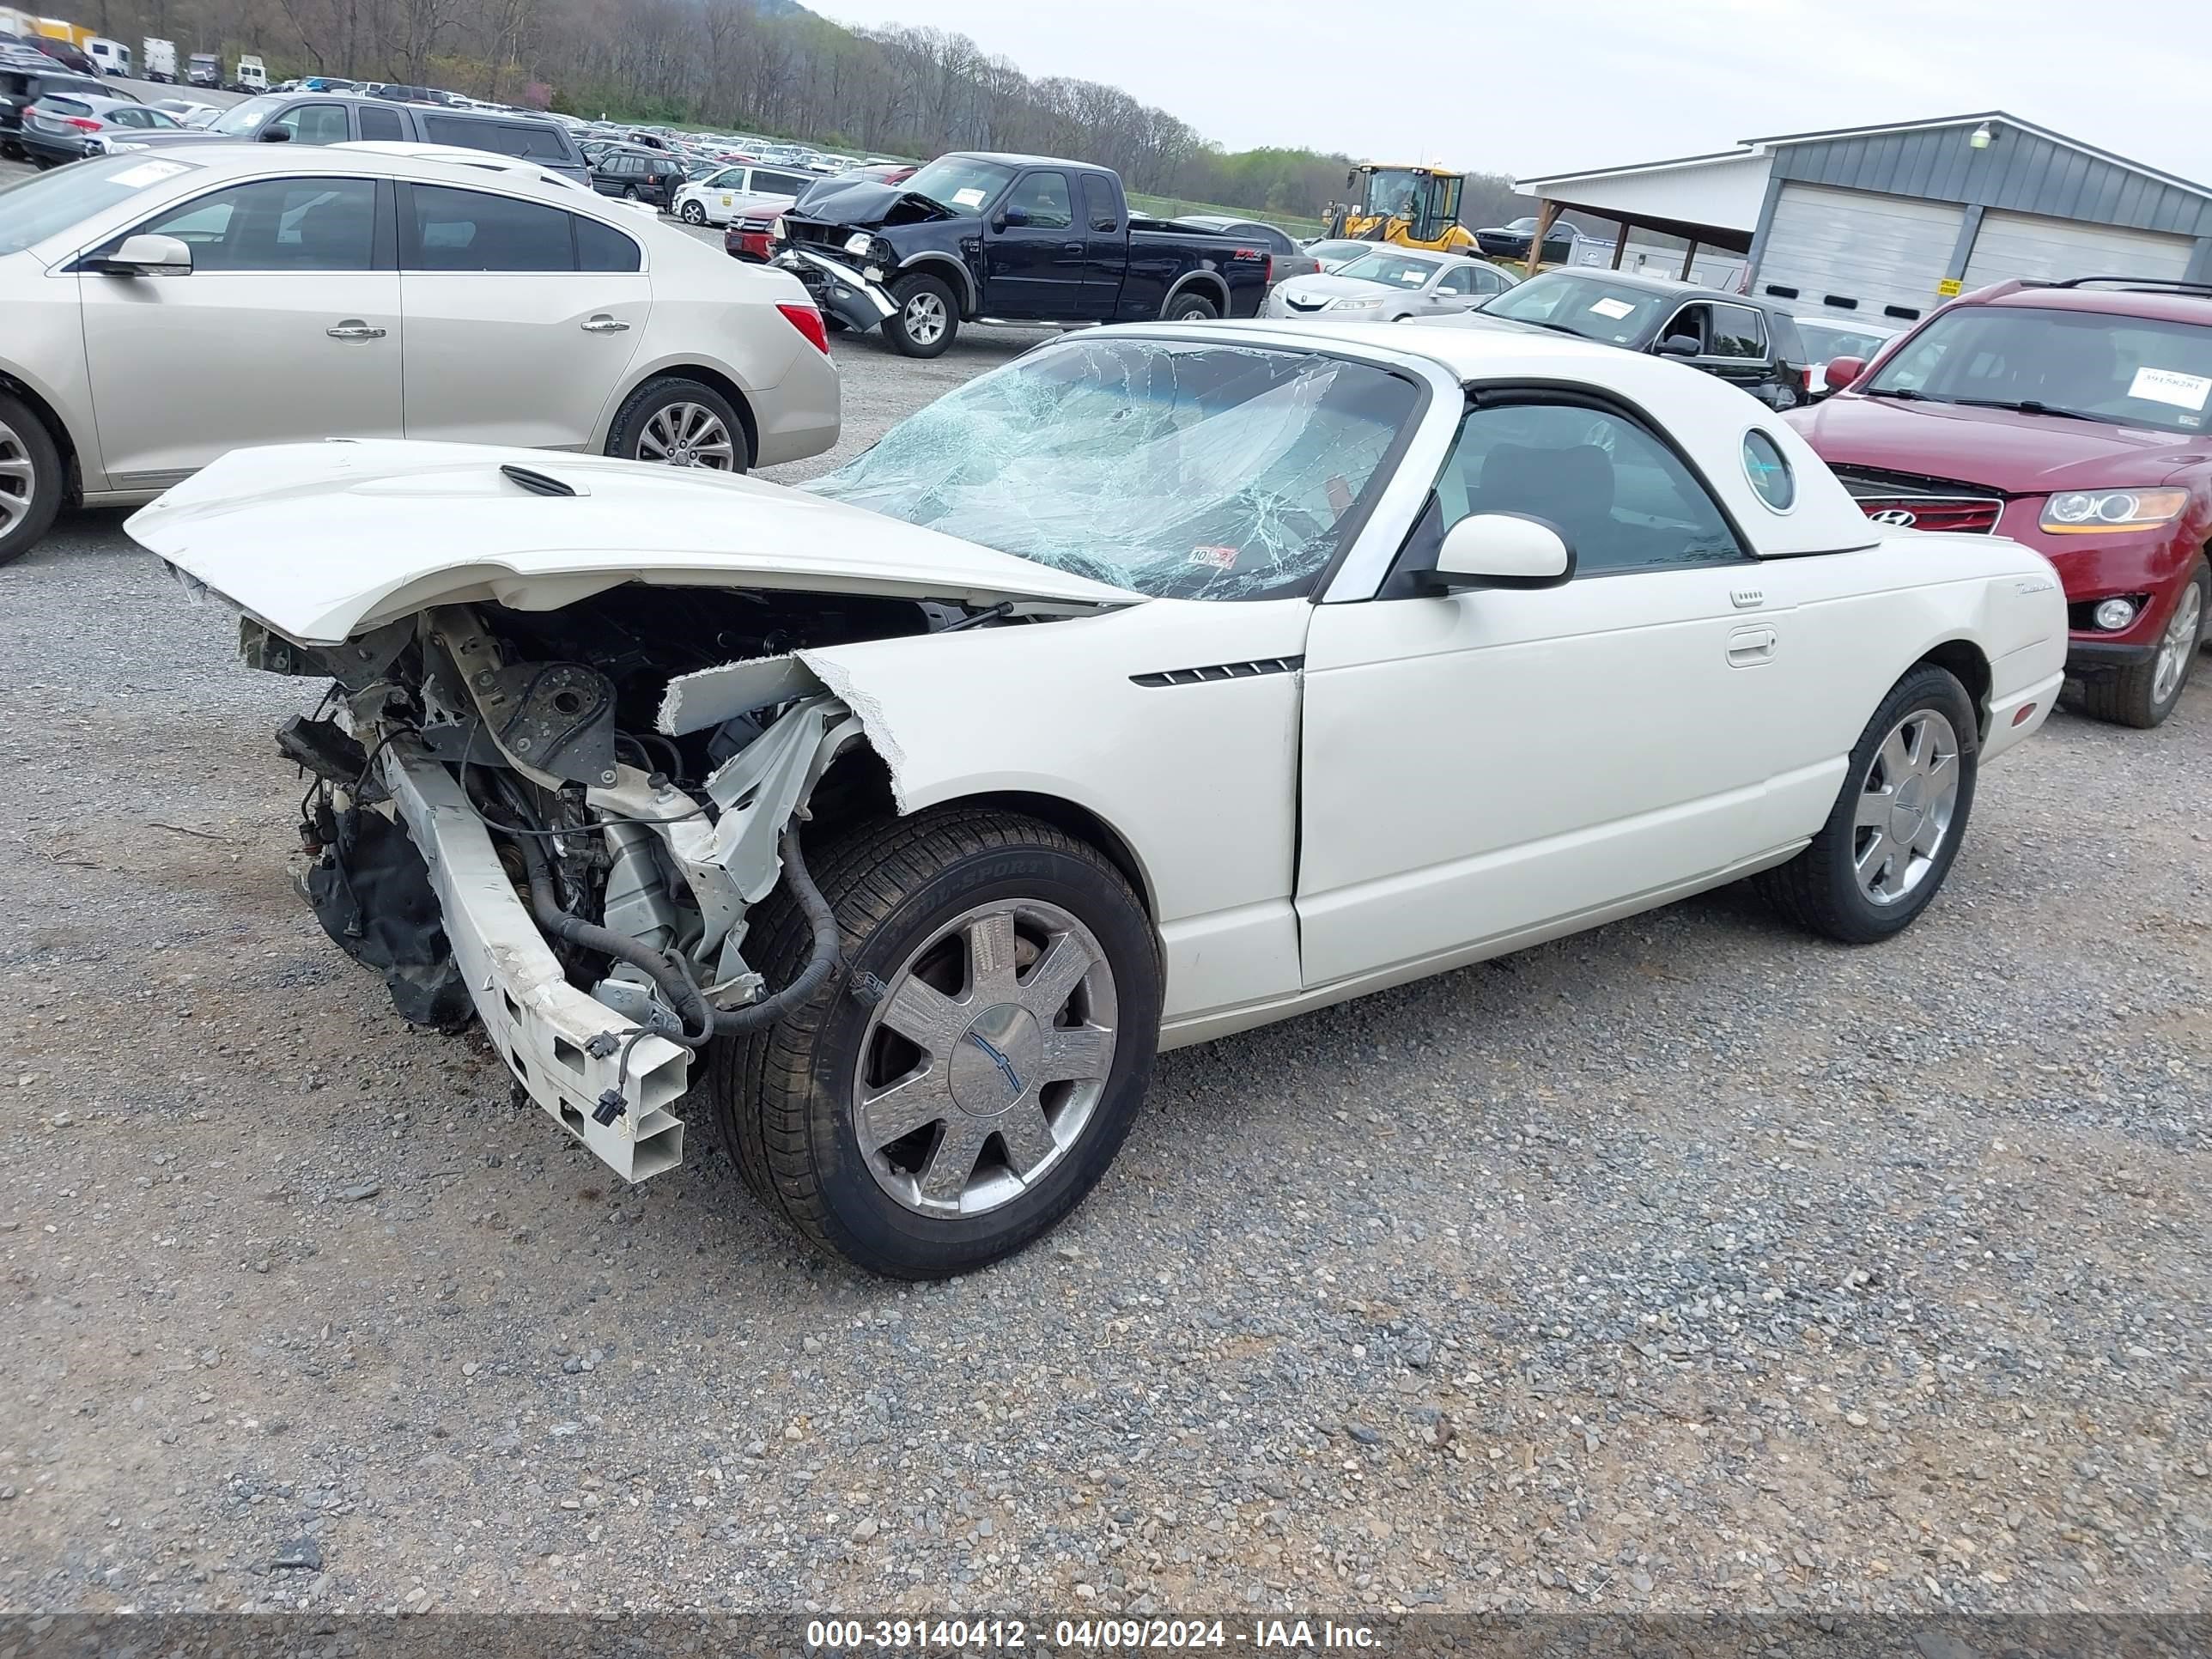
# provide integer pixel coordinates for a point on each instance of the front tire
(2145, 693)
(928, 320)
(31, 481)
(694, 214)
(1895, 829)
(672, 421)
(975, 1064)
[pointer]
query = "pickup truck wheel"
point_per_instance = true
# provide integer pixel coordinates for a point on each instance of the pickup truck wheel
(2144, 694)
(1191, 308)
(31, 481)
(928, 318)
(678, 422)
(972, 1067)
(1878, 862)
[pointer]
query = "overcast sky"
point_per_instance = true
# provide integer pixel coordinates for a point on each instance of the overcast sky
(1533, 87)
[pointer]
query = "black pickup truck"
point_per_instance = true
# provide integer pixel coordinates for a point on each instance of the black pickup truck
(1006, 238)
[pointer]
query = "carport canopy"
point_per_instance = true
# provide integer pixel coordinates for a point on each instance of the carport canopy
(1708, 201)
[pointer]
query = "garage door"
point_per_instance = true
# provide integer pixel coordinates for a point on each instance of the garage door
(1851, 253)
(2022, 245)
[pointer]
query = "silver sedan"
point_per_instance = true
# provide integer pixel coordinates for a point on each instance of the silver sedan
(1388, 285)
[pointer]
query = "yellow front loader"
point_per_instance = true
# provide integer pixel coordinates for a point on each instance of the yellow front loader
(1412, 207)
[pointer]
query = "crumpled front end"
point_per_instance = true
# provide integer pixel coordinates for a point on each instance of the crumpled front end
(852, 292)
(563, 824)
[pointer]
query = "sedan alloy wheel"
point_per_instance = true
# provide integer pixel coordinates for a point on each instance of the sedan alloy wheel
(1906, 806)
(687, 434)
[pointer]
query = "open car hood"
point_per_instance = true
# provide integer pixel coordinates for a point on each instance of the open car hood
(324, 541)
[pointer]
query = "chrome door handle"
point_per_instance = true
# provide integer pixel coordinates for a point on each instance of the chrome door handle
(605, 325)
(353, 328)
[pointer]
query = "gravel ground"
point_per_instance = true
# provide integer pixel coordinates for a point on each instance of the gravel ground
(1688, 1264)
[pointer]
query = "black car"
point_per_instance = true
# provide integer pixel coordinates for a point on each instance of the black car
(327, 117)
(638, 175)
(1511, 241)
(22, 85)
(1025, 237)
(1747, 341)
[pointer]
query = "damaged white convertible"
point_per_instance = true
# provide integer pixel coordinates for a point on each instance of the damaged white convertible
(1165, 682)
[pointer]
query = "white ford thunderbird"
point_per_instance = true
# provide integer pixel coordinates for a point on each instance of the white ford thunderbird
(1166, 682)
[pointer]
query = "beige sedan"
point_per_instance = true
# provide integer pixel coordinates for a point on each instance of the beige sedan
(165, 307)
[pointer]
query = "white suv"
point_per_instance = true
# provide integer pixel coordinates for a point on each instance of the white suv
(163, 308)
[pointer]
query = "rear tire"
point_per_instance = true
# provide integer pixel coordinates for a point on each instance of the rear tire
(672, 421)
(1895, 829)
(928, 320)
(32, 479)
(1191, 308)
(2145, 693)
(1004, 1141)
(629, 192)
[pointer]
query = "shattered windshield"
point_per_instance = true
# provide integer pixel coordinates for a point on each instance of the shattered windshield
(1182, 469)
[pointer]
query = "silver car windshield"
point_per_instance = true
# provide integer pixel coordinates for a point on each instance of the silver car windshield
(47, 204)
(242, 120)
(1392, 270)
(1182, 469)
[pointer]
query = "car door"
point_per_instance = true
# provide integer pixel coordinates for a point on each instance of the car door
(288, 325)
(1033, 258)
(1453, 291)
(312, 124)
(1105, 248)
(521, 318)
(719, 193)
(1484, 765)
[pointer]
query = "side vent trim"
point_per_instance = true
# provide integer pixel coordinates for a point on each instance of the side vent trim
(1224, 671)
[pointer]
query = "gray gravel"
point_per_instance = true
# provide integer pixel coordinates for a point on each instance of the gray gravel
(1686, 1264)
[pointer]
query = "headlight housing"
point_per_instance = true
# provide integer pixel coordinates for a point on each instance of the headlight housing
(2092, 512)
(1359, 304)
(776, 230)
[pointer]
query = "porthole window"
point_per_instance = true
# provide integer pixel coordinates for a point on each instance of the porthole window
(1769, 472)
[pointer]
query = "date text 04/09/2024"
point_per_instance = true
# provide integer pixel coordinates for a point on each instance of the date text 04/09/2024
(895, 1634)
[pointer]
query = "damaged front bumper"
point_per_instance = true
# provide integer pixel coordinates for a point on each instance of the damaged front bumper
(570, 1051)
(849, 293)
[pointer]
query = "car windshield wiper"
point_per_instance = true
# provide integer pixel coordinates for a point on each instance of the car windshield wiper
(2025, 406)
(1903, 394)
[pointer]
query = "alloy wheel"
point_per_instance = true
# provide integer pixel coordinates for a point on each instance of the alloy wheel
(687, 434)
(2177, 644)
(985, 1059)
(924, 319)
(1906, 803)
(18, 479)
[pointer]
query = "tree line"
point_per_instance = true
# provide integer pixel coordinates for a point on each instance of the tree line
(773, 68)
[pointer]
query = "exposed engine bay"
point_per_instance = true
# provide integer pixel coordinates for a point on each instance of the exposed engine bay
(633, 769)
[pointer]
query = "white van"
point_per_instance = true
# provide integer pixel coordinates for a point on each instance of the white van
(113, 55)
(161, 58)
(251, 77)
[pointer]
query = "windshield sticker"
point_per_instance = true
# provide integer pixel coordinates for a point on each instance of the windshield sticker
(152, 172)
(968, 197)
(1221, 558)
(1339, 493)
(2168, 385)
(1615, 309)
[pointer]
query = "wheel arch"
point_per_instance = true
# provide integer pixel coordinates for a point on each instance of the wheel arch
(1966, 662)
(945, 267)
(1209, 282)
(715, 378)
(57, 428)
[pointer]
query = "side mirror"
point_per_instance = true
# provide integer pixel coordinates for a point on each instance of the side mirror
(145, 256)
(1678, 345)
(275, 135)
(1501, 550)
(1012, 218)
(1841, 372)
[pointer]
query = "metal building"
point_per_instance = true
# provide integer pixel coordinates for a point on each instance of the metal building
(1884, 222)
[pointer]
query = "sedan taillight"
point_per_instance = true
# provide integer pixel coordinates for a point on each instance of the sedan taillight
(81, 122)
(808, 321)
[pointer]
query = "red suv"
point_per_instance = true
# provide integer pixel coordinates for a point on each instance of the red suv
(2075, 416)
